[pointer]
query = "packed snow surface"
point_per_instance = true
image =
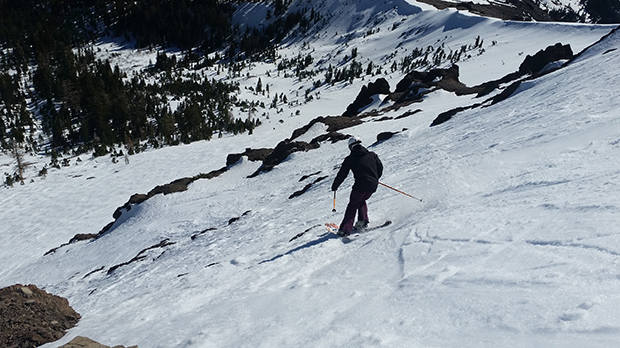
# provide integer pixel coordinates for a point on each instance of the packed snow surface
(515, 242)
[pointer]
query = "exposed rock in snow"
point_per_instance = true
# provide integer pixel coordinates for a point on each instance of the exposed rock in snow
(30, 317)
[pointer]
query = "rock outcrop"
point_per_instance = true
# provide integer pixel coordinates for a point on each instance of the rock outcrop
(31, 317)
(364, 98)
(85, 342)
(534, 64)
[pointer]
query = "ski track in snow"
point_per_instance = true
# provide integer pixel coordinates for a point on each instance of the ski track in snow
(514, 245)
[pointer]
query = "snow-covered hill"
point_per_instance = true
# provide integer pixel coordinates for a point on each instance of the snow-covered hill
(514, 245)
(585, 11)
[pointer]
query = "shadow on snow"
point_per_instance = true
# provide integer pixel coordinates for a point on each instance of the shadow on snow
(322, 238)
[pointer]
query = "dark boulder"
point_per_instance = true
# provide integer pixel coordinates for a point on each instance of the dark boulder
(364, 98)
(416, 83)
(447, 115)
(333, 123)
(334, 137)
(534, 64)
(178, 185)
(281, 152)
(252, 154)
(385, 136)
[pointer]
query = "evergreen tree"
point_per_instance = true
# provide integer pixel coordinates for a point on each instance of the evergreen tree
(20, 164)
(603, 11)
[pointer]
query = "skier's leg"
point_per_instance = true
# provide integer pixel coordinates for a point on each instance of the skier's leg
(355, 201)
(362, 212)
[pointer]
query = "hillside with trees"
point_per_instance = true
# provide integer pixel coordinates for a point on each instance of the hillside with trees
(58, 98)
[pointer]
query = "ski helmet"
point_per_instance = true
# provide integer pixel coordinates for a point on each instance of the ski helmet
(354, 140)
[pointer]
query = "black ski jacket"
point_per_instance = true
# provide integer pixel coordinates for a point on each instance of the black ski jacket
(366, 167)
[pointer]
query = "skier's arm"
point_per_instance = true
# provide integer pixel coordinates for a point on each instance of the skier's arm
(342, 174)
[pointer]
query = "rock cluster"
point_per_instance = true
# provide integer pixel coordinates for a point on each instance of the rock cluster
(84, 342)
(30, 317)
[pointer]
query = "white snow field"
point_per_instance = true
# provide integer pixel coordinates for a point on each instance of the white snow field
(516, 242)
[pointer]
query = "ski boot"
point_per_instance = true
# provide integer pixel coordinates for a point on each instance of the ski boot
(360, 226)
(342, 233)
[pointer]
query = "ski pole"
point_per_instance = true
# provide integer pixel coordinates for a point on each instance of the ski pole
(334, 210)
(400, 191)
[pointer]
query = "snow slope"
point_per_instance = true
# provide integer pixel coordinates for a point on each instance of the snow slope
(514, 245)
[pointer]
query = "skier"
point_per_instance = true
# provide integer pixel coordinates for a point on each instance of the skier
(367, 169)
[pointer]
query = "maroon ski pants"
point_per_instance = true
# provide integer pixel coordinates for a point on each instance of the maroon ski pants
(357, 204)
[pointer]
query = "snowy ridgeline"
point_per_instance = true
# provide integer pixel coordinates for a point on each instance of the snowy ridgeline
(515, 244)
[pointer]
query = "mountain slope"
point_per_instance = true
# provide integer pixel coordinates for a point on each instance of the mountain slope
(513, 246)
(584, 11)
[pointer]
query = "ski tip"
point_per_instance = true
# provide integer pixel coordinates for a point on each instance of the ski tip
(331, 227)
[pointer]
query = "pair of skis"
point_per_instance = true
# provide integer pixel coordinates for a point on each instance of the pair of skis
(333, 228)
